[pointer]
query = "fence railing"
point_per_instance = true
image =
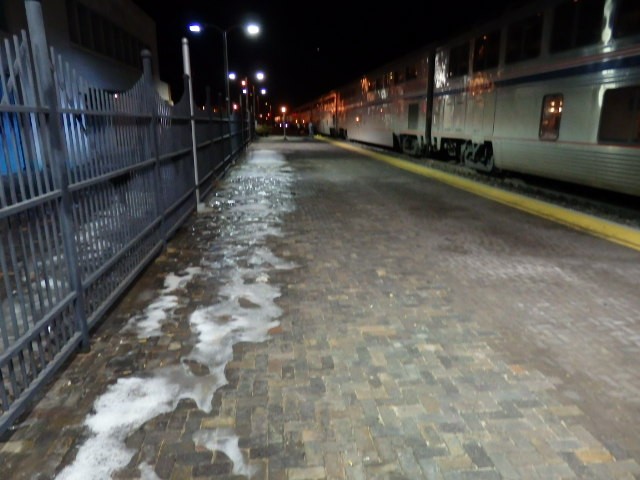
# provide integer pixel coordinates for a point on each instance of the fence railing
(93, 185)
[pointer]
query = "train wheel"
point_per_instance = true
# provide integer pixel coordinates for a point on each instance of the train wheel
(450, 148)
(485, 156)
(410, 145)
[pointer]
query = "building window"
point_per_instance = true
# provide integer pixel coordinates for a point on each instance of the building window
(550, 118)
(577, 23)
(486, 52)
(459, 60)
(627, 19)
(3, 16)
(524, 39)
(620, 116)
(99, 34)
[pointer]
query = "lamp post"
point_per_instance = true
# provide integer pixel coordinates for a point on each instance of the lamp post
(251, 29)
(263, 92)
(249, 90)
(259, 78)
(284, 123)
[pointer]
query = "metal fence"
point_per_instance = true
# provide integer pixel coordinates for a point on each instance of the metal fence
(93, 185)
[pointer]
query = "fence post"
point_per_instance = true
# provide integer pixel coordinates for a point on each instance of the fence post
(155, 143)
(186, 63)
(49, 96)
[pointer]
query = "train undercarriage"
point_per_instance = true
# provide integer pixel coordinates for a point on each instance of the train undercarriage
(478, 156)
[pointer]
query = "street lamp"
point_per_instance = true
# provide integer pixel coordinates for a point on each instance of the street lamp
(260, 78)
(249, 89)
(251, 29)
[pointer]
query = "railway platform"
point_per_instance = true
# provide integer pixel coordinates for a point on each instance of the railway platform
(327, 315)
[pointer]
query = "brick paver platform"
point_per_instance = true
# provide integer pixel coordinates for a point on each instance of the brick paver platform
(409, 331)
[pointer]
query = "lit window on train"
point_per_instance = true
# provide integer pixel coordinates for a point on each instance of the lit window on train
(627, 19)
(486, 52)
(459, 60)
(576, 24)
(388, 79)
(620, 116)
(524, 39)
(550, 118)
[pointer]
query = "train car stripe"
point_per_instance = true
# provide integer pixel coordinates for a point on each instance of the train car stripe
(614, 232)
(555, 74)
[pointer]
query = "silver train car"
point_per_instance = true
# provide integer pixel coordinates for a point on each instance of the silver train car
(551, 89)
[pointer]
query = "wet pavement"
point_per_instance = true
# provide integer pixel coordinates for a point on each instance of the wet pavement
(328, 316)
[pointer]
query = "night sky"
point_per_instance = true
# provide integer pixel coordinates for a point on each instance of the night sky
(305, 48)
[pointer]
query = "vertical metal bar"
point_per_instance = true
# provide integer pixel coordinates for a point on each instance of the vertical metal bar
(19, 290)
(10, 173)
(9, 292)
(151, 106)
(3, 392)
(32, 285)
(27, 164)
(31, 141)
(94, 141)
(186, 61)
(48, 86)
(16, 273)
(209, 133)
(90, 203)
(69, 121)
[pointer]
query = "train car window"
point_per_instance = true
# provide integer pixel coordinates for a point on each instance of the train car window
(627, 19)
(524, 39)
(576, 23)
(459, 60)
(550, 117)
(620, 117)
(486, 52)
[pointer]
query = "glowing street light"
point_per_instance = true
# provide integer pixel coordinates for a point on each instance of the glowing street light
(251, 29)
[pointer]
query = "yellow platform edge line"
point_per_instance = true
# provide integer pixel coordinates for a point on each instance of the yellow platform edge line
(611, 231)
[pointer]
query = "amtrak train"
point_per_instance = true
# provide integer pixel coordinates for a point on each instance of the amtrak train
(551, 89)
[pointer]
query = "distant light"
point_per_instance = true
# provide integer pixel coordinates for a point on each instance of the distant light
(260, 76)
(253, 29)
(244, 82)
(283, 109)
(232, 76)
(263, 91)
(244, 91)
(195, 27)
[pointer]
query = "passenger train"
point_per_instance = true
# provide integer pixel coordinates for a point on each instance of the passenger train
(551, 89)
